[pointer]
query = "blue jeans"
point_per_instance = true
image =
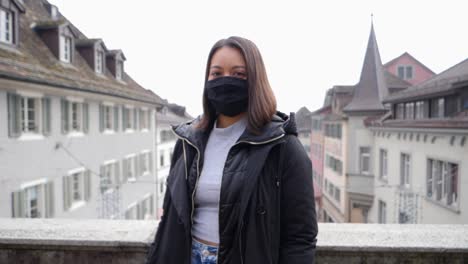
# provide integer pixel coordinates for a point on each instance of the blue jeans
(203, 254)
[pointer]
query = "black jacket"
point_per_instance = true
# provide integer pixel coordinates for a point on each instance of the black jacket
(267, 209)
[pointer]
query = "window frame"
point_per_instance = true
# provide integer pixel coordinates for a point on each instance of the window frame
(65, 48)
(405, 170)
(7, 34)
(362, 156)
(383, 164)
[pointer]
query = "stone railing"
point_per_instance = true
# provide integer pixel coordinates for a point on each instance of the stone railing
(62, 241)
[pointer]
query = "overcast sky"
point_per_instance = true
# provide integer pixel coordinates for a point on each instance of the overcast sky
(307, 46)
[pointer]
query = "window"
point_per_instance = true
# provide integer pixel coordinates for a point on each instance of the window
(129, 118)
(442, 182)
(400, 111)
(409, 113)
(337, 194)
(28, 115)
(405, 72)
(144, 119)
(438, 108)
(382, 212)
(99, 67)
(74, 116)
(145, 208)
(109, 175)
(421, 110)
(145, 160)
(6, 26)
(405, 169)
(333, 130)
(364, 154)
(130, 168)
(167, 135)
(334, 164)
(161, 158)
(65, 48)
(119, 70)
(76, 188)
(108, 117)
(383, 164)
(34, 200)
(131, 212)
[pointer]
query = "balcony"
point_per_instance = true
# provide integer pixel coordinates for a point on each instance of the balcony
(112, 241)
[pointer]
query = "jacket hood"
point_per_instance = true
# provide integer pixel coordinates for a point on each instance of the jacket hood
(280, 125)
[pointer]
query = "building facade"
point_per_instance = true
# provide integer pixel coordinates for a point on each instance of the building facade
(77, 134)
(421, 152)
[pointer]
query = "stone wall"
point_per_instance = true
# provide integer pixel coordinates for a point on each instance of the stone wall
(63, 241)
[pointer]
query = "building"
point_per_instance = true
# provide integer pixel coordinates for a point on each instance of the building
(170, 114)
(420, 153)
(304, 131)
(408, 68)
(77, 133)
(316, 156)
(348, 177)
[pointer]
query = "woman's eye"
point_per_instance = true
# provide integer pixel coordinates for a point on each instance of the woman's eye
(240, 74)
(215, 74)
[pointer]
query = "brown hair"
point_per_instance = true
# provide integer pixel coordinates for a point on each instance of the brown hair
(262, 101)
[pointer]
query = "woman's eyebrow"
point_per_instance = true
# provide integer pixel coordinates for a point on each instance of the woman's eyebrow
(239, 66)
(215, 66)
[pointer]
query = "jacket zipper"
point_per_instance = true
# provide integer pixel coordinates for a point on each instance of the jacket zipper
(242, 224)
(219, 200)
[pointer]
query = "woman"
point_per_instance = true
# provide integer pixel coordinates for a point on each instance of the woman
(240, 184)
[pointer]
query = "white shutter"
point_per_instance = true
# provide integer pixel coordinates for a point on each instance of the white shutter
(124, 170)
(101, 117)
(65, 119)
(150, 162)
(116, 118)
(85, 117)
(46, 119)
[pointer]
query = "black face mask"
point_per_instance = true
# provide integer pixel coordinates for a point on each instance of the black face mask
(228, 95)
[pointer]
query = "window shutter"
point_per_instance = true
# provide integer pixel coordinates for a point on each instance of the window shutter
(151, 209)
(101, 117)
(49, 199)
(150, 162)
(65, 121)
(17, 199)
(102, 185)
(139, 211)
(136, 161)
(85, 117)
(135, 116)
(148, 121)
(124, 118)
(116, 118)
(117, 173)
(124, 170)
(14, 116)
(46, 116)
(87, 185)
(66, 193)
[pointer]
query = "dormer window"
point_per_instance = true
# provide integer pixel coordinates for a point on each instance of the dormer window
(6, 26)
(65, 48)
(119, 70)
(99, 61)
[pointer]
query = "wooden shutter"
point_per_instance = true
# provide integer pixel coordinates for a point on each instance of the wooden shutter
(67, 193)
(85, 117)
(116, 118)
(49, 199)
(101, 117)
(117, 173)
(46, 116)
(65, 117)
(14, 115)
(17, 204)
(87, 185)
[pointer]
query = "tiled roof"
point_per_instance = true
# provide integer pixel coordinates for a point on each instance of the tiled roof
(32, 61)
(440, 84)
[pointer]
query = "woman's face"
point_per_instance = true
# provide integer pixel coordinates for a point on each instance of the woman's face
(227, 61)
